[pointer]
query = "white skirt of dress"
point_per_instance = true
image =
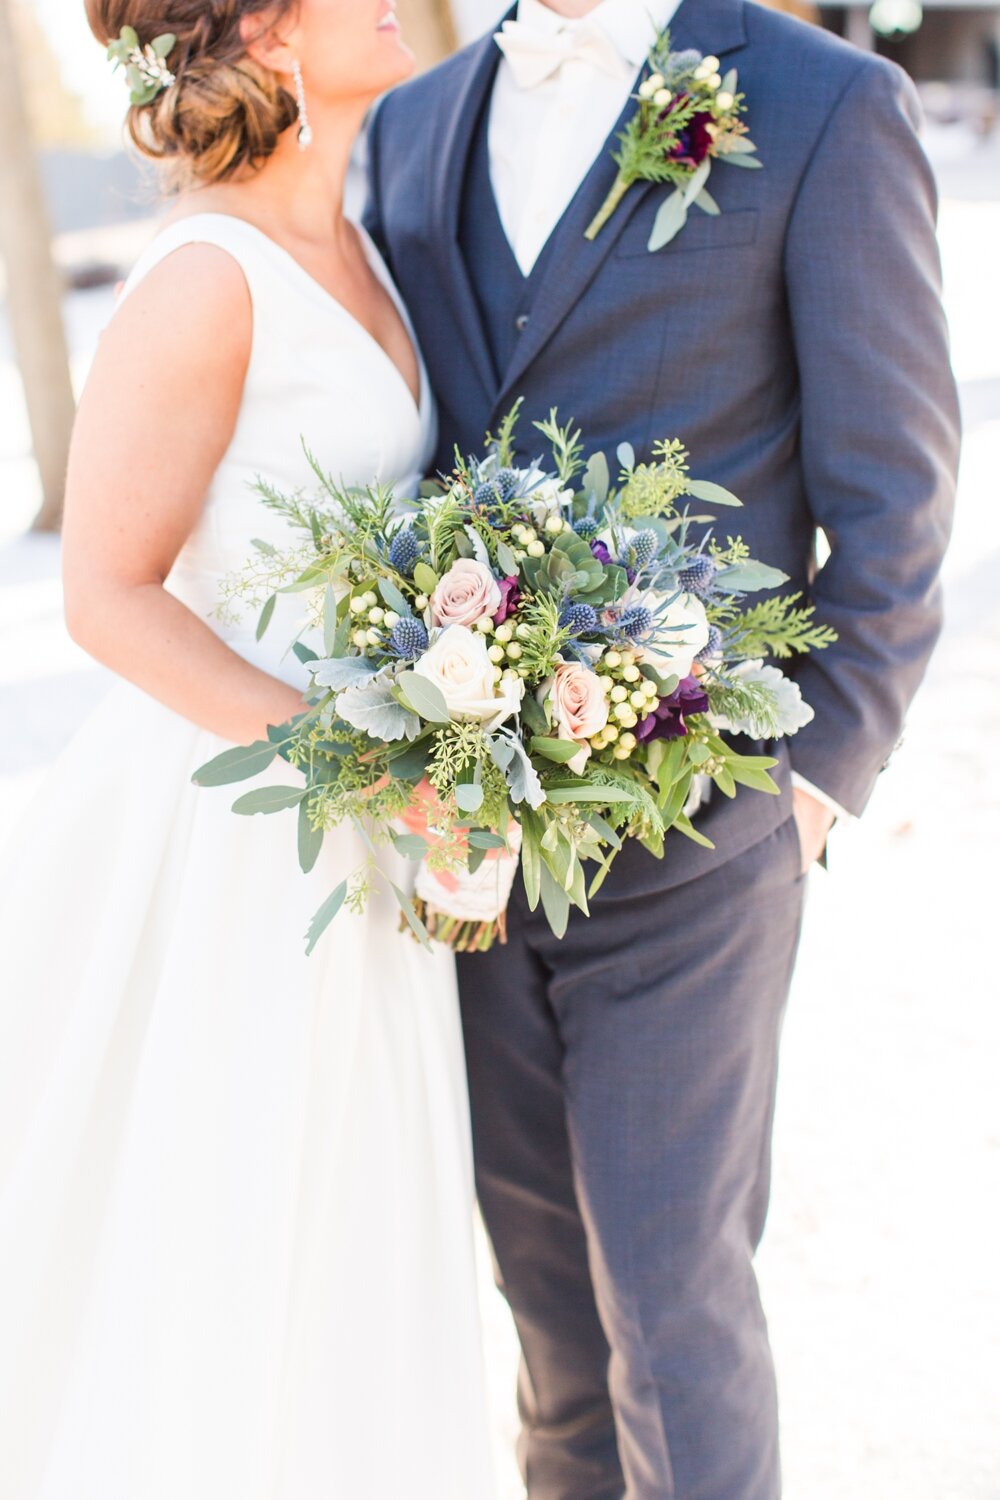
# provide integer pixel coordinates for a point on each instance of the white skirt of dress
(236, 1199)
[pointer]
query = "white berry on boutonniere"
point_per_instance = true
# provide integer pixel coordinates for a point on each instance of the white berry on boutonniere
(688, 117)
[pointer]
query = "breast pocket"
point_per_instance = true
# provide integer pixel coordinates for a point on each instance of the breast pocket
(702, 232)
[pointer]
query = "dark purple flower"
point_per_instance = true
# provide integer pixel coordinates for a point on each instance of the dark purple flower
(666, 722)
(510, 598)
(694, 142)
(601, 552)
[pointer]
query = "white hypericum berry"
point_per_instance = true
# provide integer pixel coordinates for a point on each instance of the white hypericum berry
(505, 632)
(662, 97)
(637, 699)
(711, 63)
(714, 81)
(376, 615)
(371, 600)
(652, 83)
(484, 625)
(421, 601)
(612, 659)
(724, 99)
(619, 693)
(536, 549)
(360, 638)
(496, 654)
(373, 637)
(515, 651)
(390, 619)
(631, 672)
(357, 605)
(554, 525)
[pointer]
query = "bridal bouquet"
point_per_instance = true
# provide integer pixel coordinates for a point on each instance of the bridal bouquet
(528, 663)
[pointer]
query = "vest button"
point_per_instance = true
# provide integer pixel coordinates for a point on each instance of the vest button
(521, 322)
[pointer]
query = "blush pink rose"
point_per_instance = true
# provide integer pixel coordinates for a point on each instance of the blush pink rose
(579, 707)
(466, 593)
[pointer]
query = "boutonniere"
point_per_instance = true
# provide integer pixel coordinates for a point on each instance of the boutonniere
(688, 116)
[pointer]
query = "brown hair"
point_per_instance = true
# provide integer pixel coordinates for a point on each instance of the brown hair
(225, 112)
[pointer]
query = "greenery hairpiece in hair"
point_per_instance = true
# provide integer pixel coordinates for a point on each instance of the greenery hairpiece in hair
(145, 67)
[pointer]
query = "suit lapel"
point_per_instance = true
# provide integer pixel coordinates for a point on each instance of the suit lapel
(715, 26)
(459, 130)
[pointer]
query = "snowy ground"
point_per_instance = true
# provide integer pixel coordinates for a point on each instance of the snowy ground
(880, 1263)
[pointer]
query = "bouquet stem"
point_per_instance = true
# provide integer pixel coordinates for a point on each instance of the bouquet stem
(460, 935)
(619, 189)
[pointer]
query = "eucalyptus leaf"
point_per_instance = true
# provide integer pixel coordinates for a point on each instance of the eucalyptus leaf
(310, 839)
(269, 799)
(712, 494)
(265, 616)
(531, 861)
(625, 454)
(411, 764)
(406, 907)
(238, 764)
(697, 181)
(555, 903)
(411, 845)
(749, 576)
(325, 916)
(469, 796)
(506, 560)
(670, 219)
(305, 653)
(729, 81)
(587, 792)
(740, 159)
(597, 477)
(423, 697)
(560, 751)
(481, 838)
(392, 596)
(425, 578)
(707, 203)
(685, 826)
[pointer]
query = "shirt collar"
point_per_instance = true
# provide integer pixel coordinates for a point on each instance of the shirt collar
(630, 24)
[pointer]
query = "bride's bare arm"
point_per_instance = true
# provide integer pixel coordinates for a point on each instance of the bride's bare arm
(156, 417)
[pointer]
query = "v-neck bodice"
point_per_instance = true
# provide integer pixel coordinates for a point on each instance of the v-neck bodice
(316, 380)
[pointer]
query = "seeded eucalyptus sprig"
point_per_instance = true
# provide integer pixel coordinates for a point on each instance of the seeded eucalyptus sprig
(145, 67)
(688, 115)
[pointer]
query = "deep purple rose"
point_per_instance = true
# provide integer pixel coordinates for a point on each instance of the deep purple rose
(694, 141)
(666, 722)
(510, 598)
(601, 552)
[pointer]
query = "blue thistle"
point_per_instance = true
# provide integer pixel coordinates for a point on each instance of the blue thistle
(409, 639)
(712, 646)
(404, 549)
(698, 577)
(643, 548)
(507, 481)
(637, 621)
(586, 527)
(578, 618)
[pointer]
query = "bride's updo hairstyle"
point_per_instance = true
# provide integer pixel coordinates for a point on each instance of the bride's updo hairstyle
(224, 112)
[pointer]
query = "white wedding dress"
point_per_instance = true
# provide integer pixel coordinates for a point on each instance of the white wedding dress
(236, 1198)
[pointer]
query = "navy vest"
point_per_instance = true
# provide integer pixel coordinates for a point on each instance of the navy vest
(502, 291)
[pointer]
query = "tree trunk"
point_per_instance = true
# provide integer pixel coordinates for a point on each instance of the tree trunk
(33, 286)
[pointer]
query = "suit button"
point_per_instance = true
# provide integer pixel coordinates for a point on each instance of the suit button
(521, 322)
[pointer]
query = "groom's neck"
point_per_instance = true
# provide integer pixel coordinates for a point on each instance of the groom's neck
(571, 9)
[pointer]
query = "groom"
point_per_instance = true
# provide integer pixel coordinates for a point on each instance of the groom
(623, 1080)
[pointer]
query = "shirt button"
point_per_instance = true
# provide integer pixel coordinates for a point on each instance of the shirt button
(521, 322)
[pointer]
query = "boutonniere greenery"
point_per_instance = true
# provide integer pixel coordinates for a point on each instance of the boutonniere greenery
(688, 116)
(145, 67)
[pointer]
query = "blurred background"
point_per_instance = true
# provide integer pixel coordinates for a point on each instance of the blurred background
(880, 1261)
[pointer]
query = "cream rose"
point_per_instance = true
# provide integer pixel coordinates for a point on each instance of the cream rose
(681, 632)
(459, 665)
(466, 593)
(579, 707)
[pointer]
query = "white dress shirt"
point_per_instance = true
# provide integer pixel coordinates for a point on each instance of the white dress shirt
(549, 120)
(544, 138)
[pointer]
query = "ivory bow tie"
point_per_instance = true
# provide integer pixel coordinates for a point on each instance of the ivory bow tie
(535, 55)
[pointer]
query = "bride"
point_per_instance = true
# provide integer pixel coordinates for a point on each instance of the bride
(236, 1257)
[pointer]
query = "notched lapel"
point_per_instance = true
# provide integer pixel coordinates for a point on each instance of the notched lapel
(456, 143)
(712, 26)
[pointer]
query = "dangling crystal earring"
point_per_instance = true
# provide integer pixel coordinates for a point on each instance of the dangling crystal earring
(305, 129)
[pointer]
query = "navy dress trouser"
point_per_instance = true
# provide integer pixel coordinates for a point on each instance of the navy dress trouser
(623, 1086)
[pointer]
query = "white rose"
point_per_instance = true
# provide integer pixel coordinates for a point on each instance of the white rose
(680, 632)
(459, 665)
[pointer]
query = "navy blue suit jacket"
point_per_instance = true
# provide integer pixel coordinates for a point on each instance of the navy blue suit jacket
(796, 344)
